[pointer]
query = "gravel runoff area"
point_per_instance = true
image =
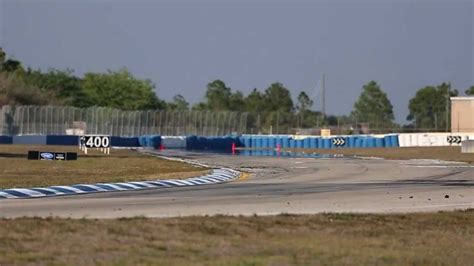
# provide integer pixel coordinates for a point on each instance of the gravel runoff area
(119, 166)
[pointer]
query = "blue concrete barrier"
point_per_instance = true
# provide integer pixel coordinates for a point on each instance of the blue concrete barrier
(320, 143)
(154, 141)
(265, 142)
(253, 142)
(292, 144)
(326, 143)
(279, 142)
(387, 141)
(6, 140)
(272, 142)
(379, 142)
(62, 140)
(351, 142)
(370, 142)
(247, 142)
(259, 143)
(124, 141)
(218, 143)
(313, 143)
(285, 142)
(359, 142)
(142, 141)
(306, 143)
(394, 141)
(299, 143)
(30, 140)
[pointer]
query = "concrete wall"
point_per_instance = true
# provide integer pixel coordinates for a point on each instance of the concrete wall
(462, 114)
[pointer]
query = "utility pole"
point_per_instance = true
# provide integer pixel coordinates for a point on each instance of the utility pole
(323, 92)
(447, 105)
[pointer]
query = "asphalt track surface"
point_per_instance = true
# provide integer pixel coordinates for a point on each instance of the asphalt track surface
(279, 185)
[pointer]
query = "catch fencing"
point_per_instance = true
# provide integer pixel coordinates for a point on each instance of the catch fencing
(58, 120)
(67, 120)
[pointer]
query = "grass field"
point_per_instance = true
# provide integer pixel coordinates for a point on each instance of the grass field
(119, 166)
(354, 239)
(406, 153)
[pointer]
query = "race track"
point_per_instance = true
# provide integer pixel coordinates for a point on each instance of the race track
(279, 185)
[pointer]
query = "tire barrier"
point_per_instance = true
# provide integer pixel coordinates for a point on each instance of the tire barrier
(217, 176)
(309, 142)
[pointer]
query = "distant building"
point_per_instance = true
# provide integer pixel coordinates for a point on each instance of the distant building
(462, 114)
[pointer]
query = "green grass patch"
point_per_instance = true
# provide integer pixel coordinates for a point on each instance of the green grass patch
(445, 238)
(119, 166)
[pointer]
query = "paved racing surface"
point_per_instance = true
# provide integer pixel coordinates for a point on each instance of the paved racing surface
(279, 185)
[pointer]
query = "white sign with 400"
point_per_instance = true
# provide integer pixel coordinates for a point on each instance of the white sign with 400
(101, 142)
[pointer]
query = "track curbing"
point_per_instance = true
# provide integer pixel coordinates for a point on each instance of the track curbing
(215, 177)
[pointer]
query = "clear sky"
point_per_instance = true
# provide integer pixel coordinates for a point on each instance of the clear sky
(183, 45)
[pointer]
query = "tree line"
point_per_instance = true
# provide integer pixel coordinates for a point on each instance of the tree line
(120, 89)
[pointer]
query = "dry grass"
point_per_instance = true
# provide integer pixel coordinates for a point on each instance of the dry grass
(440, 153)
(119, 166)
(355, 239)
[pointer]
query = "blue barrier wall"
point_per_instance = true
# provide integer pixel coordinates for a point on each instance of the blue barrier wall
(217, 143)
(62, 140)
(30, 140)
(220, 143)
(6, 140)
(272, 142)
(124, 142)
(379, 142)
(313, 143)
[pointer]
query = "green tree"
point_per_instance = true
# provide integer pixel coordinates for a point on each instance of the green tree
(10, 65)
(303, 105)
(218, 96)
(120, 89)
(62, 83)
(236, 102)
(278, 108)
(470, 91)
(278, 98)
(374, 107)
(3, 57)
(13, 91)
(428, 107)
(254, 102)
(199, 107)
(304, 102)
(178, 103)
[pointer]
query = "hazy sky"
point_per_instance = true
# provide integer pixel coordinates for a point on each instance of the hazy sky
(183, 45)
